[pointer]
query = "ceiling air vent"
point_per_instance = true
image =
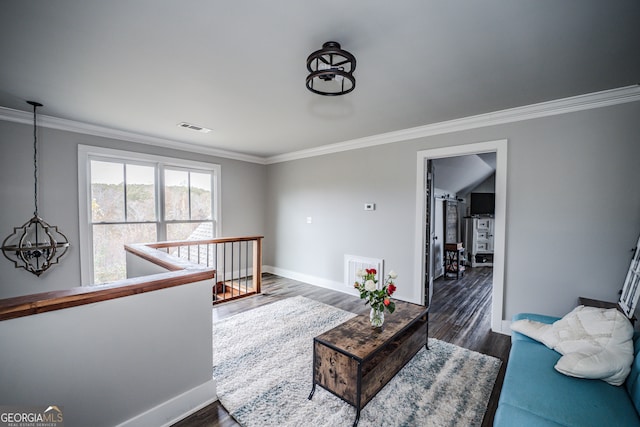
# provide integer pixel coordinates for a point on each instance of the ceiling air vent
(193, 127)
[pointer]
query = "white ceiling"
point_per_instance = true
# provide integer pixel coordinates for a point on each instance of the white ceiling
(461, 174)
(239, 67)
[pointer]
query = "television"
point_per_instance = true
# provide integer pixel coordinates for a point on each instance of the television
(483, 204)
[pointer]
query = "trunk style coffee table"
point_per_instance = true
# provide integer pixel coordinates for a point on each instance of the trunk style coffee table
(354, 360)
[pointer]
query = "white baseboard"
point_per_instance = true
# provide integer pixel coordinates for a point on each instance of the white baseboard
(312, 280)
(176, 408)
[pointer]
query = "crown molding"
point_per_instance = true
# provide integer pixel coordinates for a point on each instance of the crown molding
(544, 109)
(17, 116)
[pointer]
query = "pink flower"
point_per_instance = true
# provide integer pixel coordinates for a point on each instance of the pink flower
(386, 302)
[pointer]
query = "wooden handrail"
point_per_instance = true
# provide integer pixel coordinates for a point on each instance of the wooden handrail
(174, 243)
(180, 272)
(169, 262)
(11, 308)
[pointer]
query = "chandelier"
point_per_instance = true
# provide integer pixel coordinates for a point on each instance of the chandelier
(331, 70)
(36, 245)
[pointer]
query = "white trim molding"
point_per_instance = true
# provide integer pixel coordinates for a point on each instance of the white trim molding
(551, 108)
(50, 122)
(312, 280)
(587, 101)
(500, 148)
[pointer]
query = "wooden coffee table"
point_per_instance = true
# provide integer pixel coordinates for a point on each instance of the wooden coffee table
(354, 361)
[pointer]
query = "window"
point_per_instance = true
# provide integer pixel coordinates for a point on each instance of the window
(132, 198)
(187, 205)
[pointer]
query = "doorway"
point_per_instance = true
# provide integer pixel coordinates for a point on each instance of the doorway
(425, 202)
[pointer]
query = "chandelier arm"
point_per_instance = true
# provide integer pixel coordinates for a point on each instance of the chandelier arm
(347, 61)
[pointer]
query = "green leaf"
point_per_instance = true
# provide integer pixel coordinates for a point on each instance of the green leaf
(391, 307)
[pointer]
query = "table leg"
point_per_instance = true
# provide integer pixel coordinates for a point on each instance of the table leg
(313, 390)
(313, 374)
(355, 423)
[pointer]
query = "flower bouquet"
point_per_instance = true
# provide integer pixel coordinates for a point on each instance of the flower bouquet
(378, 297)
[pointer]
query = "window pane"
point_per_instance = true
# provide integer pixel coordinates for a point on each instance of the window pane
(141, 199)
(190, 231)
(107, 191)
(109, 258)
(200, 195)
(176, 195)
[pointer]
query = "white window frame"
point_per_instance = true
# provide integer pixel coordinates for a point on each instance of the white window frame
(86, 153)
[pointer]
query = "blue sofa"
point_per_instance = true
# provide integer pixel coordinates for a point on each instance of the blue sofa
(535, 394)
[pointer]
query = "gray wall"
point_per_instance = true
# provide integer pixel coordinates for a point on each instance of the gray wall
(332, 189)
(243, 196)
(573, 207)
(110, 362)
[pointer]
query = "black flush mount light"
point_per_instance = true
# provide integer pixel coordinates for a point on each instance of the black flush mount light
(331, 70)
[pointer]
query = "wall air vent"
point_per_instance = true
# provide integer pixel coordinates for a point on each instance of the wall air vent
(193, 127)
(353, 263)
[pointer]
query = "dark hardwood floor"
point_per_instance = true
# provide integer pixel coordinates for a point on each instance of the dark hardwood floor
(460, 314)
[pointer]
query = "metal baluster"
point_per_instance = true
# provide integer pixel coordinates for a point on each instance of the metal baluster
(232, 289)
(246, 267)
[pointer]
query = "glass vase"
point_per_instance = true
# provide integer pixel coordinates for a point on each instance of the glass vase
(376, 317)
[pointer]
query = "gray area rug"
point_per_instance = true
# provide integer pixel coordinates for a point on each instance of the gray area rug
(262, 363)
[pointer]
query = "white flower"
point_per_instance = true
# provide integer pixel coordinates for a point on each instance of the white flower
(370, 285)
(393, 274)
(360, 273)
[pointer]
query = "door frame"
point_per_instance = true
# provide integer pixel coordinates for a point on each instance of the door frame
(500, 148)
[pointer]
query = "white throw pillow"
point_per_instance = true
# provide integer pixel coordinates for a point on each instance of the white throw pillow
(596, 343)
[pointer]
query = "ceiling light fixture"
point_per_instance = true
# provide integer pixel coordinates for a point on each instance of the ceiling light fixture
(331, 70)
(36, 245)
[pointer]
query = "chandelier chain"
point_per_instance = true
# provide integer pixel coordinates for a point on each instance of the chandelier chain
(35, 162)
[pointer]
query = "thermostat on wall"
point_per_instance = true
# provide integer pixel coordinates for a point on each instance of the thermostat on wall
(369, 206)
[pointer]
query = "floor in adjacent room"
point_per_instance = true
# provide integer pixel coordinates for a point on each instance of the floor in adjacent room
(460, 314)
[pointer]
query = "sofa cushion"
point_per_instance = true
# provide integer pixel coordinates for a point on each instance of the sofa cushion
(533, 386)
(511, 416)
